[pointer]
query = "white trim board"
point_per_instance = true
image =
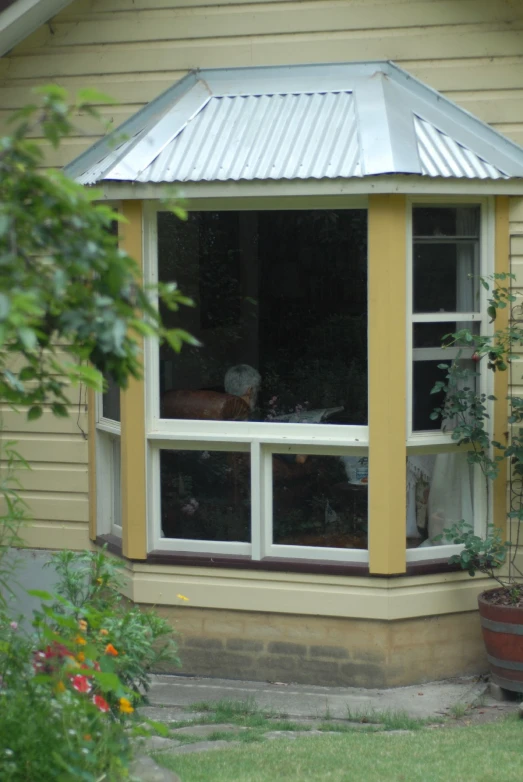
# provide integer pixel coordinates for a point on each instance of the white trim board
(24, 17)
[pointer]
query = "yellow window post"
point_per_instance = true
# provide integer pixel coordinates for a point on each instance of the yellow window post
(132, 409)
(387, 383)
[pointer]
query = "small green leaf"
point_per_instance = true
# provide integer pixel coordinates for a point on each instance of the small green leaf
(34, 412)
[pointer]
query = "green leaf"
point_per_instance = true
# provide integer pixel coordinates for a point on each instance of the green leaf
(40, 594)
(34, 412)
(89, 95)
(59, 410)
(109, 682)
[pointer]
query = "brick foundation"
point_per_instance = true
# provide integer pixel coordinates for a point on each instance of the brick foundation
(327, 651)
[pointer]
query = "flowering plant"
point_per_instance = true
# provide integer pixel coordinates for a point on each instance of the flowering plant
(68, 691)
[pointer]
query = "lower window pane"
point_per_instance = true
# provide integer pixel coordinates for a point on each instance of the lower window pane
(440, 492)
(320, 501)
(206, 495)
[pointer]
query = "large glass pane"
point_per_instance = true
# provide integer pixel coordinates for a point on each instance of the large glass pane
(320, 501)
(440, 493)
(205, 495)
(281, 312)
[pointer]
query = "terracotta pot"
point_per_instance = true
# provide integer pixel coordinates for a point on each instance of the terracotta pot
(502, 628)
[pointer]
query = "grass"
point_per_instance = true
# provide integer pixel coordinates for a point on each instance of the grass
(477, 754)
(388, 719)
(458, 710)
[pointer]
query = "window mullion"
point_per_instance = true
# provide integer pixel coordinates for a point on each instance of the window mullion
(387, 384)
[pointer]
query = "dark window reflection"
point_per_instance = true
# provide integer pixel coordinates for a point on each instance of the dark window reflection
(441, 221)
(111, 401)
(425, 375)
(446, 277)
(205, 495)
(284, 293)
(320, 501)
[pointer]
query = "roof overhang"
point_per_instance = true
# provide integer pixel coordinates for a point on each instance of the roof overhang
(339, 128)
(23, 17)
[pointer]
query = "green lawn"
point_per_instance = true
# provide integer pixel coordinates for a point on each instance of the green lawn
(486, 753)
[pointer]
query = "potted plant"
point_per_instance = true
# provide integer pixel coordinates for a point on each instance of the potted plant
(466, 412)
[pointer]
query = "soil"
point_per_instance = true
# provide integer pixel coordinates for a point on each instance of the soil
(511, 597)
(491, 711)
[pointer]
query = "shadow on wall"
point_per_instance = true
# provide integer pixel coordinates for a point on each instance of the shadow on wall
(30, 574)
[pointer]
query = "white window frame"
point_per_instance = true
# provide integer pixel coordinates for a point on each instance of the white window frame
(108, 478)
(437, 441)
(257, 438)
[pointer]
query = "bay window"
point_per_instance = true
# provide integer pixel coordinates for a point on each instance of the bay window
(285, 434)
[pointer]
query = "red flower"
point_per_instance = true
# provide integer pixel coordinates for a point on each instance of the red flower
(81, 683)
(48, 661)
(100, 703)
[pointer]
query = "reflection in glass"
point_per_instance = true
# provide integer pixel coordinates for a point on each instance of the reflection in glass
(446, 221)
(446, 277)
(425, 374)
(111, 401)
(439, 494)
(446, 259)
(116, 481)
(428, 356)
(320, 501)
(205, 495)
(281, 293)
(435, 335)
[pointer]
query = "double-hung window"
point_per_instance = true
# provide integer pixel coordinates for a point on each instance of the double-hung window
(448, 254)
(108, 460)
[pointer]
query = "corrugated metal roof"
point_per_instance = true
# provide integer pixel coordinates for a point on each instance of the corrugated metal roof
(299, 122)
(442, 156)
(263, 137)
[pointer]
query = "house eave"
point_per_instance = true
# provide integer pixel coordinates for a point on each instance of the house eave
(24, 17)
(356, 186)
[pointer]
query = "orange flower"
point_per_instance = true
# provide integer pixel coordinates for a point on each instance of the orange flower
(80, 641)
(103, 631)
(125, 706)
(88, 737)
(82, 624)
(80, 657)
(109, 649)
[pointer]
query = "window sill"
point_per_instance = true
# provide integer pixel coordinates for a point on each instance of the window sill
(277, 564)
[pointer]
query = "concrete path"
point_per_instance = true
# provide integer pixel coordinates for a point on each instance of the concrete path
(296, 700)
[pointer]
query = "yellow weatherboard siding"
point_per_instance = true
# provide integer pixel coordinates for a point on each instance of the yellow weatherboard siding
(387, 383)
(92, 465)
(471, 50)
(134, 528)
(501, 379)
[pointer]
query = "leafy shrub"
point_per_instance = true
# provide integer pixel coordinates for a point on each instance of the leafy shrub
(89, 587)
(69, 689)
